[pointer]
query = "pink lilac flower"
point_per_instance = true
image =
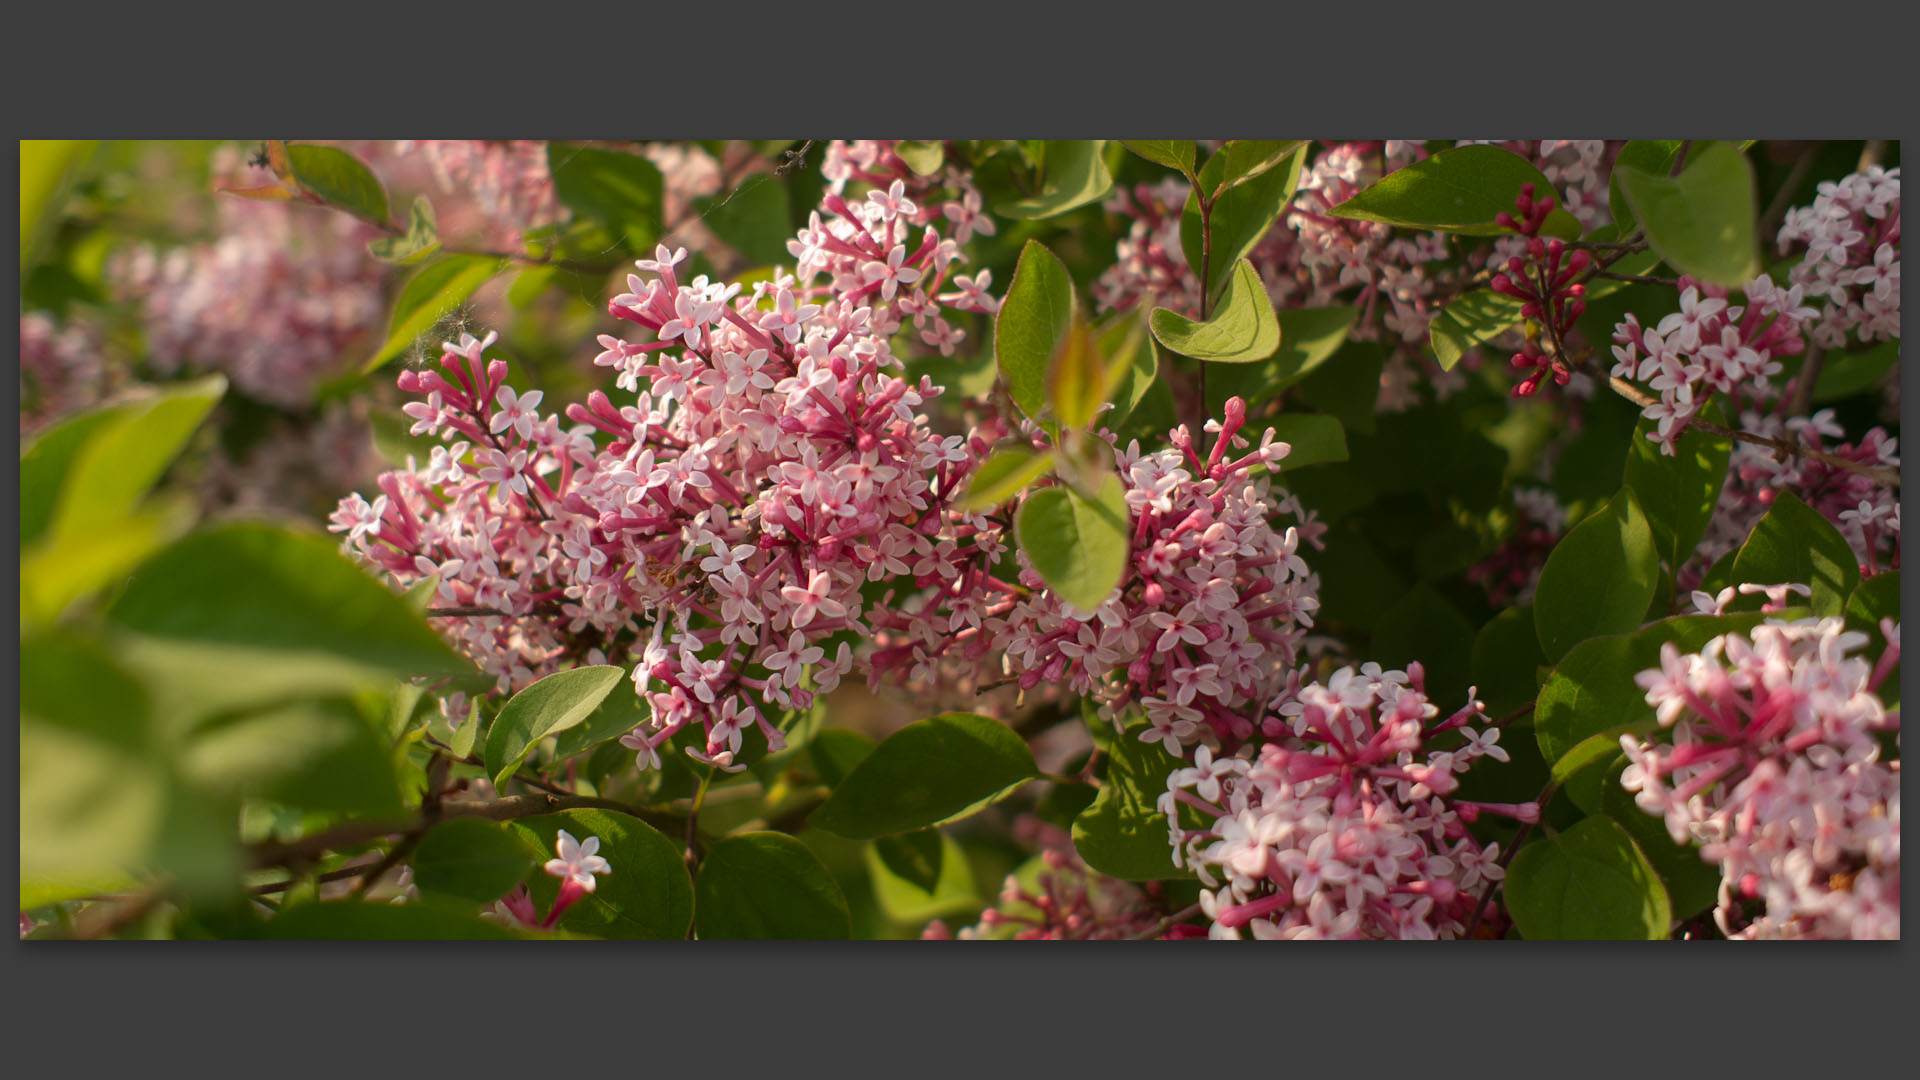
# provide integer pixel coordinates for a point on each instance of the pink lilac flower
(1852, 238)
(1775, 770)
(62, 369)
(485, 191)
(274, 301)
(760, 476)
(1344, 824)
(1207, 619)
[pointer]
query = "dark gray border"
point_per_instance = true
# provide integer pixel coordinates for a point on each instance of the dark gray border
(1022, 70)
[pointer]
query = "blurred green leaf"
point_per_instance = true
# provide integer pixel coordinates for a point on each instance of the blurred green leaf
(550, 706)
(766, 886)
(927, 773)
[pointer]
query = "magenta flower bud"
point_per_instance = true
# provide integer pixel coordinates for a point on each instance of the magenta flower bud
(1536, 248)
(1501, 284)
(1155, 594)
(1530, 310)
(1139, 670)
(1505, 221)
(1576, 308)
(1579, 262)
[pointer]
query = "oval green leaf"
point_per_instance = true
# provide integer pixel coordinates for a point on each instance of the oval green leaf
(1793, 543)
(1006, 474)
(1032, 320)
(766, 886)
(1074, 174)
(421, 240)
(1587, 883)
(1459, 190)
(647, 892)
(428, 296)
(552, 705)
(1076, 544)
(1702, 221)
(340, 179)
(1123, 834)
(1598, 579)
(927, 773)
(1242, 330)
(1176, 154)
(472, 859)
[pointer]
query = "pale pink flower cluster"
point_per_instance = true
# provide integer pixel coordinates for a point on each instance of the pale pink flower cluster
(1774, 770)
(62, 368)
(1852, 237)
(1070, 901)
(489, 190)
(1344, 824)
(722, 534)
(274, 302)
(1149, 267)
(1865, 511)
(1213, 607)
(1710, 347)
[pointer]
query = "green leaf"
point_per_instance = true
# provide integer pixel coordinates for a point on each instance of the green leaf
(91, 790)
(1176, 154)
(1074, 174)
(1596, 748)
(1793, 543)
(1240, 217)
(1505, 654)
(924, 158)
(621, 191)
(1123, 834)
(1347, 386)
(1479, 316)
(548, 707)
(311, 755)
(472, 859)
(916, 856)
(1247, 159)
(1006, 474)
(275, 595)
(1592, 690)
(766, 886)
(1844, 374)
(1308, 337)
(836, 751)
(1692, 883)
(1877, 598)
(1132, 365)
(1242, 330)
(1586, 883)
(1459, 190)
(752, 220)
(1032, 320)
(339, 178)
(1423, 625)
(927, 773)
(1315, 439)
(349, 920)
(92, 470)
(1076, 544)
(1076, 378)
(422, 238)
(1598, 579)
(1678, 492)
(47, 169)
(55, 574)
(1652, 156)
(904, 901)
(622, 711)
(1702, 221)
(439, 287)
(647, 893)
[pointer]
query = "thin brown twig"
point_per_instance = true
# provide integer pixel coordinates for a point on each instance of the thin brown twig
(1878, 473)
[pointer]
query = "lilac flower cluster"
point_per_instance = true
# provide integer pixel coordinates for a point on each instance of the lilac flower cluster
(1343, 824)
(499, 189)
(274, 301)
(721, 536)
(62, 368)
(1710, 347)
(1212, 610)
(1774, 770)
(1852, 237)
